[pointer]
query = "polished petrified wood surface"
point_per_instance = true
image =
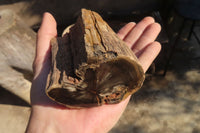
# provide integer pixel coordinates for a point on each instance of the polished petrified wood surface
(91, 66)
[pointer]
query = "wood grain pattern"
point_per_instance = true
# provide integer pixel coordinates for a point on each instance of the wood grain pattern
(17, 50)
(91, 66)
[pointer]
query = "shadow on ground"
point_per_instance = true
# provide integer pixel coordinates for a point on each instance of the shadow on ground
(11, 99)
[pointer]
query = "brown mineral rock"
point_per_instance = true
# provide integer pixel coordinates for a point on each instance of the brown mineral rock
(91, 66)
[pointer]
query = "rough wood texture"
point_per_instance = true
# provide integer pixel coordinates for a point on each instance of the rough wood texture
(17, 50)
(91, 66)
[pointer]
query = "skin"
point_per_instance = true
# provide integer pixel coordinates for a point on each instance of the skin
(49, 117)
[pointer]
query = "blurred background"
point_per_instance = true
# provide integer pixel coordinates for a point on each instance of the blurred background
(169, 101)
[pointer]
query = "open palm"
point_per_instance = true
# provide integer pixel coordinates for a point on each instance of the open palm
(48, 116)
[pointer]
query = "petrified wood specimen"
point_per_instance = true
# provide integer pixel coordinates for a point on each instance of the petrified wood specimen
(91, 66)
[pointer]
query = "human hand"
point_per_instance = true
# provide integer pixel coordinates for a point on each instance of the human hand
(47, 116)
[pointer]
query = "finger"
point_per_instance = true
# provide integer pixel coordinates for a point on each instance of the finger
(149, 54)
(122, 33)
(46, 32)
(137, 31)
(148, 36)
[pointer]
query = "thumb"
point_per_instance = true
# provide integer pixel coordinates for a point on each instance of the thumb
(46, 32)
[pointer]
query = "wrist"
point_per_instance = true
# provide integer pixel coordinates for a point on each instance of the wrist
(39, 122)
(46, 119)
